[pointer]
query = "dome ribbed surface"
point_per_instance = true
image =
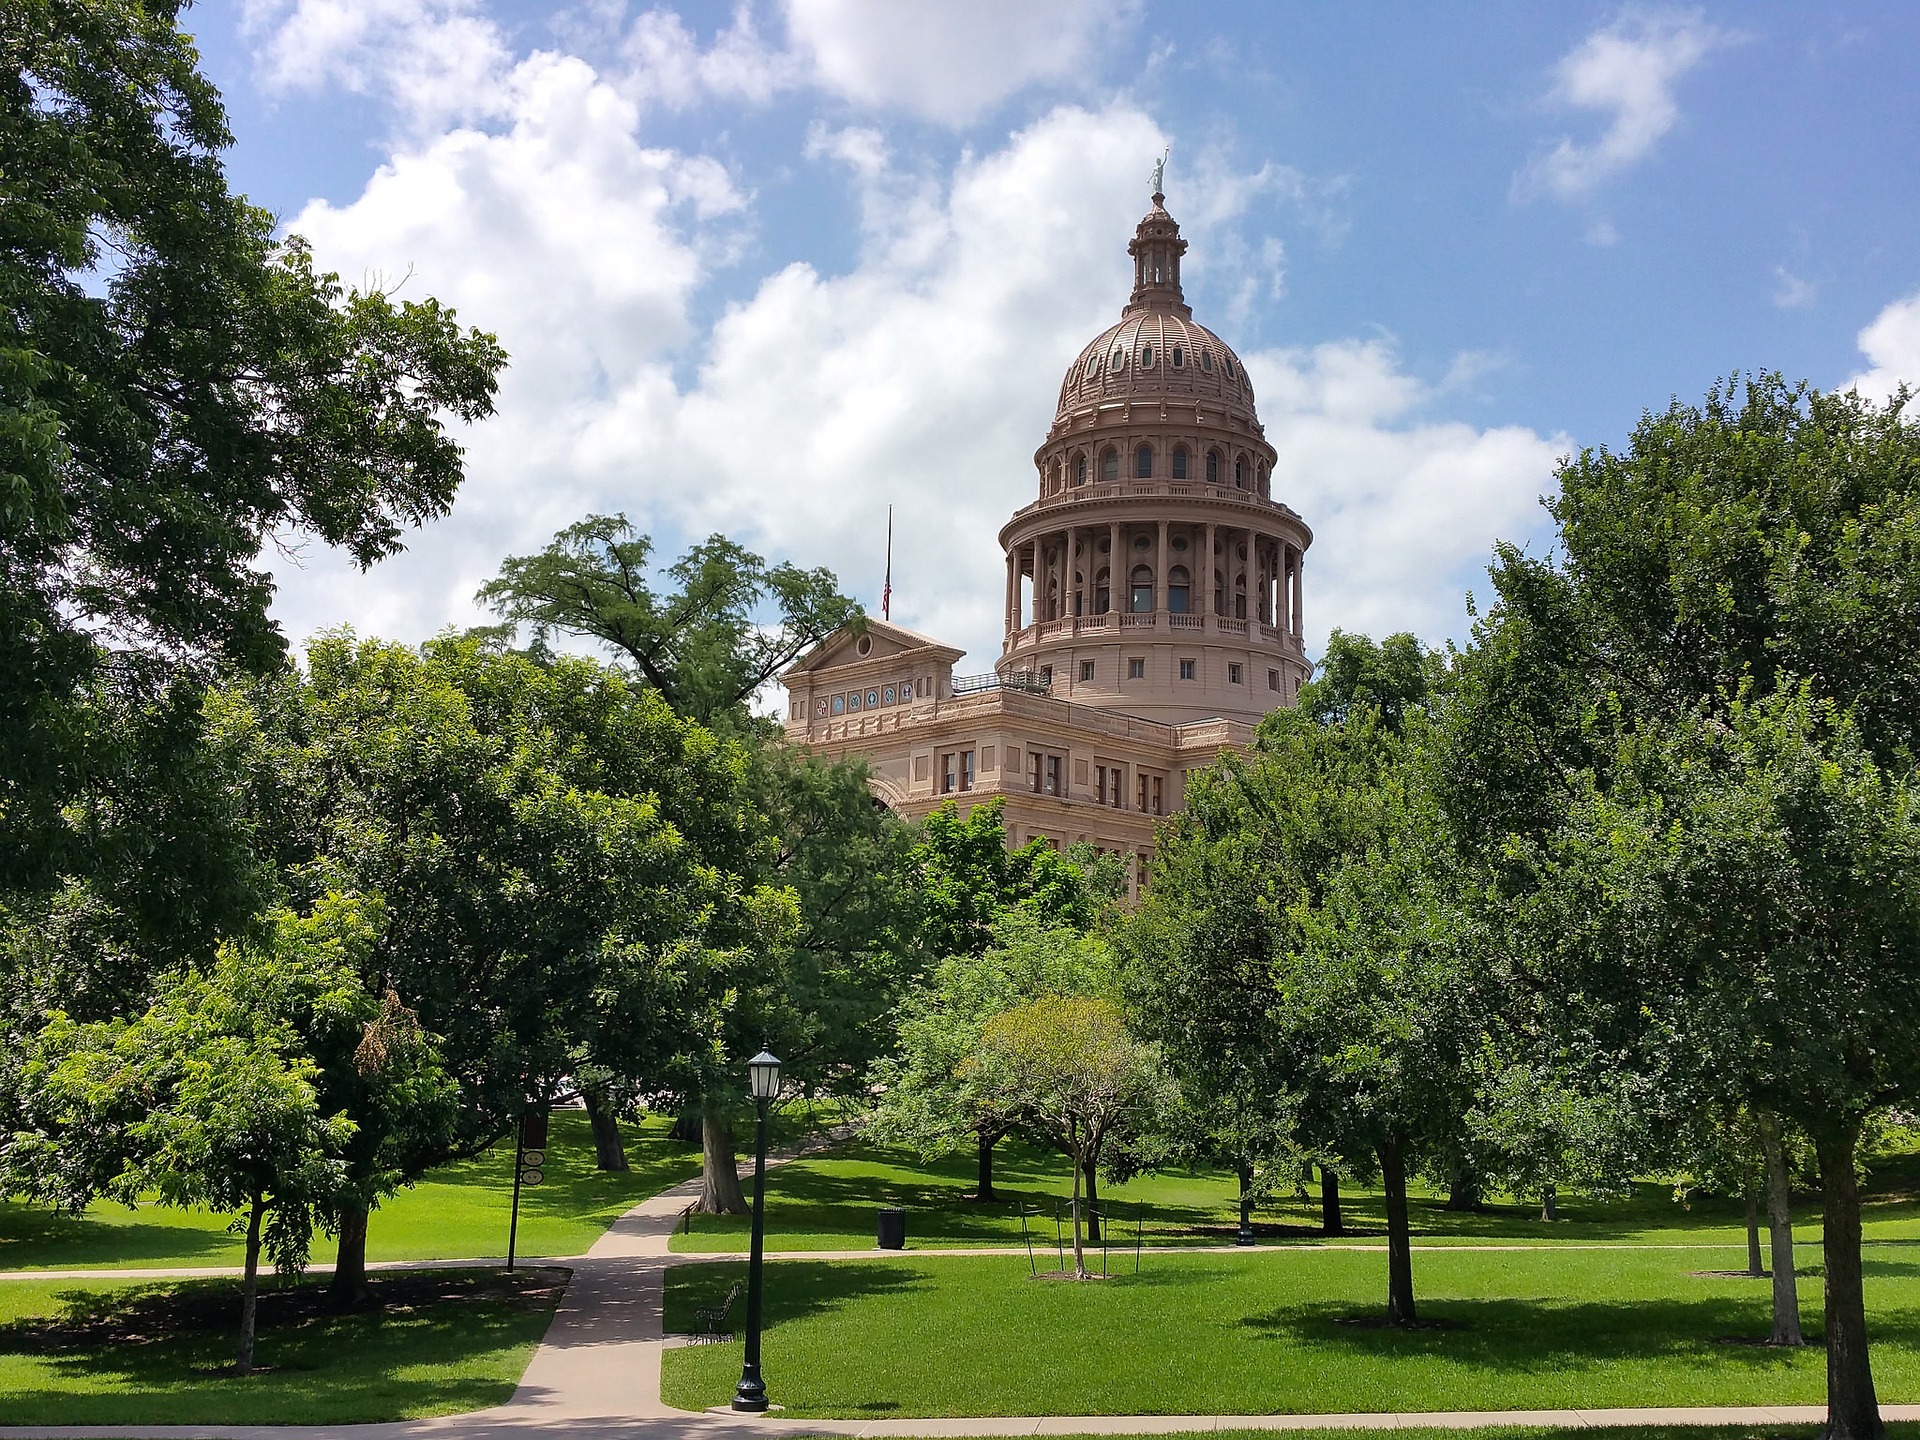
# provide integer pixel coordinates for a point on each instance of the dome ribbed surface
(1134, 360)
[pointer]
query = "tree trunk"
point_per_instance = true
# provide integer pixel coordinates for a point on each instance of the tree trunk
(1245, 1236)
(1091, 1167)
(348, 1287)
(1463, 1191)
(1330, 1203)
(250, 1287)
(1549, 1202)
(686, 1128)
(1393, 1175)
(1786, 1289)
(1079, 1255)
(1756, 1267)
(720, 1192)
(985, 1140)
(1853, 1411)
(609, 1150)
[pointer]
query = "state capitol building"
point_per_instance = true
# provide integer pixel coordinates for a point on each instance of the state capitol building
(1152, 602)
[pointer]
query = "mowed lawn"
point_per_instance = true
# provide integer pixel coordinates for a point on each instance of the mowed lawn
(1285, 1331)
(458, 1212)
(440, 1343)
(828, 1202)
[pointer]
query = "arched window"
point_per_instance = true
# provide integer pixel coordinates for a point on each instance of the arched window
(1118, 362)
(1213, 467)
(1177, 590)
(1080, 468)
(1146, 357)
(1263, 477)
(1143, 463)
(1179, 462)
(1179, 357)
(1240, 473)
(1206, 361)
(1093, 368)
(1110, 464)
(1102, 590)
(1079, 594)
(1227, 362)
(1240, 596)
(1142, 589)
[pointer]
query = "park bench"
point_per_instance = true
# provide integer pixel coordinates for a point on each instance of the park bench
(713, 1318)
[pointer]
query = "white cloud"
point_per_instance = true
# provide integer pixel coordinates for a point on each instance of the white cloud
(1626, 72)
(1791, 292)
(1891, 344)
(1404, 509)
(436, 61)
(950, 61)
(663, 62)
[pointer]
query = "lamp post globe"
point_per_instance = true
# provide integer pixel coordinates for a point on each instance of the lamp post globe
(763, 1084)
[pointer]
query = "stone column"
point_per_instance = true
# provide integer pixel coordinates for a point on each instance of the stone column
(1114, 577)
(1160, 576)
(1206, 574)
(1298, 557)
(1007, 616)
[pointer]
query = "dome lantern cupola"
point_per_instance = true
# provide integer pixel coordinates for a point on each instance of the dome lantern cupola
(1156, 250)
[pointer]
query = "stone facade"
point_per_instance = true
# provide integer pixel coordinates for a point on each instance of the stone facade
(1152, 602)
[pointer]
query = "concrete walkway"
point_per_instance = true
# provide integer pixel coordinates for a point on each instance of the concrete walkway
(596, 1375)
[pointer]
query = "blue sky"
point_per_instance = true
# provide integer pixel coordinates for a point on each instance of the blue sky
(765, 268)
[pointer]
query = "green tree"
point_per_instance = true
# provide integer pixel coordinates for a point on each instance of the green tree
(1068, 1067)
(574, 877)
(932, 1096)
(232, 1092)
(176, 386)
(965, 880)
(706, 644)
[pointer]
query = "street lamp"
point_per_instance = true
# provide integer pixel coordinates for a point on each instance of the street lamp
(763, 1083)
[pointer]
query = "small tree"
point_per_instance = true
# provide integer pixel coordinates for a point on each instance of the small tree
(221, 1096)
(1068, 1067)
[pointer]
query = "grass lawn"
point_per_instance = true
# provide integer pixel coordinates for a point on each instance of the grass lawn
(458, 1212)
(1896, 1430)
(827, 1202)
(441, 1342)
(1274, 1333)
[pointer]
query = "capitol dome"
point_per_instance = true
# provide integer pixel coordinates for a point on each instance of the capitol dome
(1157, 350)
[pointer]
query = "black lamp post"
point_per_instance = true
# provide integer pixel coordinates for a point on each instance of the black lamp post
(763, 1082)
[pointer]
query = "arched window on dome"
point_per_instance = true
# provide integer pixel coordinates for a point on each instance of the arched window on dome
(1102, 590)
(1240, 596)
(1219, 593)
(1093, 368)
(1079, 593)
(1240, 472)
(1179, 462)
(1227, 362)
(1117, 362)
(1080, 468)
(1109, 464)
(1206, 361)
(1179, 357)
(1177, 590)
(1143, 463)
(1213, 467)
(1146, 357)
(1142, 589)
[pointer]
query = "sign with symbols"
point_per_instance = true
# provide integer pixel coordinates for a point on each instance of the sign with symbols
(531, 1177)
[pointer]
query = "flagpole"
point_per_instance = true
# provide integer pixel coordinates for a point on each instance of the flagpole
(886, 593)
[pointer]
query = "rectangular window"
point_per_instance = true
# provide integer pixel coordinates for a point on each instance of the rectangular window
(1046, 674)
(966, 769)
(1149, 797)
(956, 771)
(1136, 669)
(1086, 671)
(1053, 774)
(1233, 674)
(1186, 669)
(1033, 771)
(1273, 679)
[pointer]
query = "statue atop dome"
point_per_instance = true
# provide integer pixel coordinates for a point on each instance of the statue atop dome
(1160, 176)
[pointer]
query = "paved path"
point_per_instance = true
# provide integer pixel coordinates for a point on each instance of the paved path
(596, 1376)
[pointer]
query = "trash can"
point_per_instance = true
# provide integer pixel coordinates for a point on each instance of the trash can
(893, 1229)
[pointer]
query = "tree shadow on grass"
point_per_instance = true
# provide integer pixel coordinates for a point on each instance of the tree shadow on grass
(162, 1333)
(1548, 1337)
(32, 1236)
(794, 1289)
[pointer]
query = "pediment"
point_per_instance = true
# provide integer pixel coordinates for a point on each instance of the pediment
(879, 642)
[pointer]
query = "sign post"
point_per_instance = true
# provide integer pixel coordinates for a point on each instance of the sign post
(529, 1162)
